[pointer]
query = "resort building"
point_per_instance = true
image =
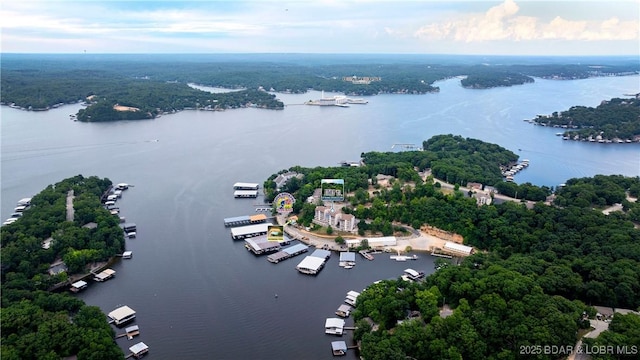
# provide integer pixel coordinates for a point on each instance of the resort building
(282, 179)
(343, 222)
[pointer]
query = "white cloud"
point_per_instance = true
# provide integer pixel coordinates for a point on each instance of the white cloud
(503, 22)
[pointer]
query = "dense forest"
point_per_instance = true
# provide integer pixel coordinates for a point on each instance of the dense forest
(159, 83)
(39, 324)
(533, 282)
(613, 120)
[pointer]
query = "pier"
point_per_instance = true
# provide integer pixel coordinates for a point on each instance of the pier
(248, 231)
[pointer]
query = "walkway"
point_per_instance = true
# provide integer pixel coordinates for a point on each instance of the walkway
(70, 210)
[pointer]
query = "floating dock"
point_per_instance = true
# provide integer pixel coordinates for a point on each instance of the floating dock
(287, 253)
(245, 186)
(139, 350)
(313, 263)
(245, 220)
(245, 194)
(338, 348)
(260, 245)
(347, 258)
(352, 297)
(104, 275)
(248, 231)
(344, 310)
(334, 326)
(78, 286)
(122, 315)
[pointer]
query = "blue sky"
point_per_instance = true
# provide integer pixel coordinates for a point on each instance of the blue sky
(508, 27)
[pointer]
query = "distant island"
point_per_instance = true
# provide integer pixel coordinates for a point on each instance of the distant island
(130, 87)
(613, 121)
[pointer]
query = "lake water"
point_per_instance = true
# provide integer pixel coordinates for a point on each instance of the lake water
(199, 294)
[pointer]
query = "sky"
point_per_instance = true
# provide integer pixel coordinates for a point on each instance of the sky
(507, 27)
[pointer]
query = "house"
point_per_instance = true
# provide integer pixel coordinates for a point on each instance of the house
(282, 179)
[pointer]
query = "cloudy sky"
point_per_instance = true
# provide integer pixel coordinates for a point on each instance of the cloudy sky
(508, 27)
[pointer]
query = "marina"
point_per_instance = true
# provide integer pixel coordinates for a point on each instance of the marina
(287, 253)
(312, 264)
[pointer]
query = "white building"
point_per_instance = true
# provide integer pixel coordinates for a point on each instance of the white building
(338, 220)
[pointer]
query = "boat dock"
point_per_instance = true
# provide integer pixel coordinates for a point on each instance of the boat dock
(122, 315)
(352, 297)
(245, 220)
(260, 245)
(138, 350)
(347, 259)
(245, 186)
(287, 253)
(312, 264)
(245, 194)
(248, 231)
(366, 255)
(104, 275)
(78, 286)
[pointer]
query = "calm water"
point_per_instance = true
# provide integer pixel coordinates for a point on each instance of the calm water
(201, 295)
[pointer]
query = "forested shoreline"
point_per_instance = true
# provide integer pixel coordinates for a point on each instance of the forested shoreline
(537, 273)
(40, 324)
(159, 84)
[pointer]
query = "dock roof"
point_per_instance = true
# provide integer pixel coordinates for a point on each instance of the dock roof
(79, 284)
(412, 272)
(245, 193)
(311, 262)
(245, 185)
(121, 313)
(262, 244)
(250, 229)
(339, 345)
(258, 217)
(319, 253)
(334, 323)
(347, 256)
(295, 248)
(236, 219)
(138, 348)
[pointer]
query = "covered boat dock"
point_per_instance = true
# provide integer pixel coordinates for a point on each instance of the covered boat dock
(245, 220)
(242, 232)
(288, 252)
